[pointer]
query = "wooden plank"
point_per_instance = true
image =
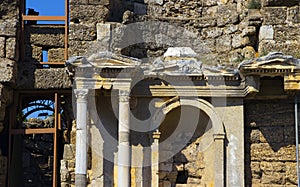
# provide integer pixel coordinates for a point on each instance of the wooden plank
(43, 18)
(33, 131)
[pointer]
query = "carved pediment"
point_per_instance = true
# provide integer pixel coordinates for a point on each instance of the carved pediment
(178, 66)
(104, 60)
(272, 60)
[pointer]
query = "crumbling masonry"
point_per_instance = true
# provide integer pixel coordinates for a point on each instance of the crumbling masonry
(137, 70)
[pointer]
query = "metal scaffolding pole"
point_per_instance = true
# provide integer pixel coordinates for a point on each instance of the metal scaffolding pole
(297, 138)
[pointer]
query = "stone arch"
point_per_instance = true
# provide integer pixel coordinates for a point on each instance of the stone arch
(203, 105)
(217, 127)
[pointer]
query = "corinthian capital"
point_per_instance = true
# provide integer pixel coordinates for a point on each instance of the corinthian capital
(124, 95)
(81, 94)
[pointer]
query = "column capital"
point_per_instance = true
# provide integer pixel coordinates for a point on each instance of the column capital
(124, 95)
(156, 134)
(81, 94)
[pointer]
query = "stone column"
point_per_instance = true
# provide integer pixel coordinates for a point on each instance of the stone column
(81, 137)
(219, 160)
(155, 159)
(124, 152)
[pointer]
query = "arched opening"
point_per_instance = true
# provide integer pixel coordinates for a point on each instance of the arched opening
(191, 145)
(181, 134)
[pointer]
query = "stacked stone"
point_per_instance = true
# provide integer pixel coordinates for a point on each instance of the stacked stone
(8, 56)
(67, 164)
(271, 156)
(280, 27)
(229, 31)
(44, 37)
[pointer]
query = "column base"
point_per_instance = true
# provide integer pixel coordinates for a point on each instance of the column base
(80, 180)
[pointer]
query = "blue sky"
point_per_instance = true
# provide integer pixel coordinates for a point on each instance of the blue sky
(47, 7)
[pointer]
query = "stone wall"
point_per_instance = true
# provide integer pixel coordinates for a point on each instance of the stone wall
(270, 143)
(225, 31)
(8, 57)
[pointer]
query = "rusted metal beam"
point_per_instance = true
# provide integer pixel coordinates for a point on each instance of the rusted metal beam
(43, 18)
(33, 131)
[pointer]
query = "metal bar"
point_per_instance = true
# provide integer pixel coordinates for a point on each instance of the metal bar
(43, 18)
(12, 117)
(66, 28)
(297, 138)
(33, 131)
(54, 180)
(22, 36)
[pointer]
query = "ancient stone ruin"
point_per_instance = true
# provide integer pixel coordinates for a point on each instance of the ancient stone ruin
(150, 93)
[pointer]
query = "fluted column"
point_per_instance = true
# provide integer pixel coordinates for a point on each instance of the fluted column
(124, 152)
(155, 159)
(81, 137)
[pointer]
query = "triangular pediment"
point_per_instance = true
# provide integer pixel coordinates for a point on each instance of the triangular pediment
(270, 61)
(105, 60)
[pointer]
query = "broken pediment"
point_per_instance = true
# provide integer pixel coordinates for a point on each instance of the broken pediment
(272, 60)
(176, 61)
(104, 60)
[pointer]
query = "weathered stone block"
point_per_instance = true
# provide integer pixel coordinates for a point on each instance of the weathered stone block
(37, 53)
(98, 2)
(10, 49)
(210, 3)
(272, 166)
(8, 27)
(2, 47)
(293, 15)
(104, 34)
(230, 29)
(7, 70)
(78, 2)
(51, 78)
(255, 136)
(239, 41)
(291, 173)
(287, 47)
(85, 48)
(272, 178)
(280, 2)
(211, 32)
(286, 33)
(275, 15)
(223, 43)
(69, 152)
(82, 32)
(227, 14)
(56, 55)
(88, 13)
(43, 36)
(266, 32)
(276, 152)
